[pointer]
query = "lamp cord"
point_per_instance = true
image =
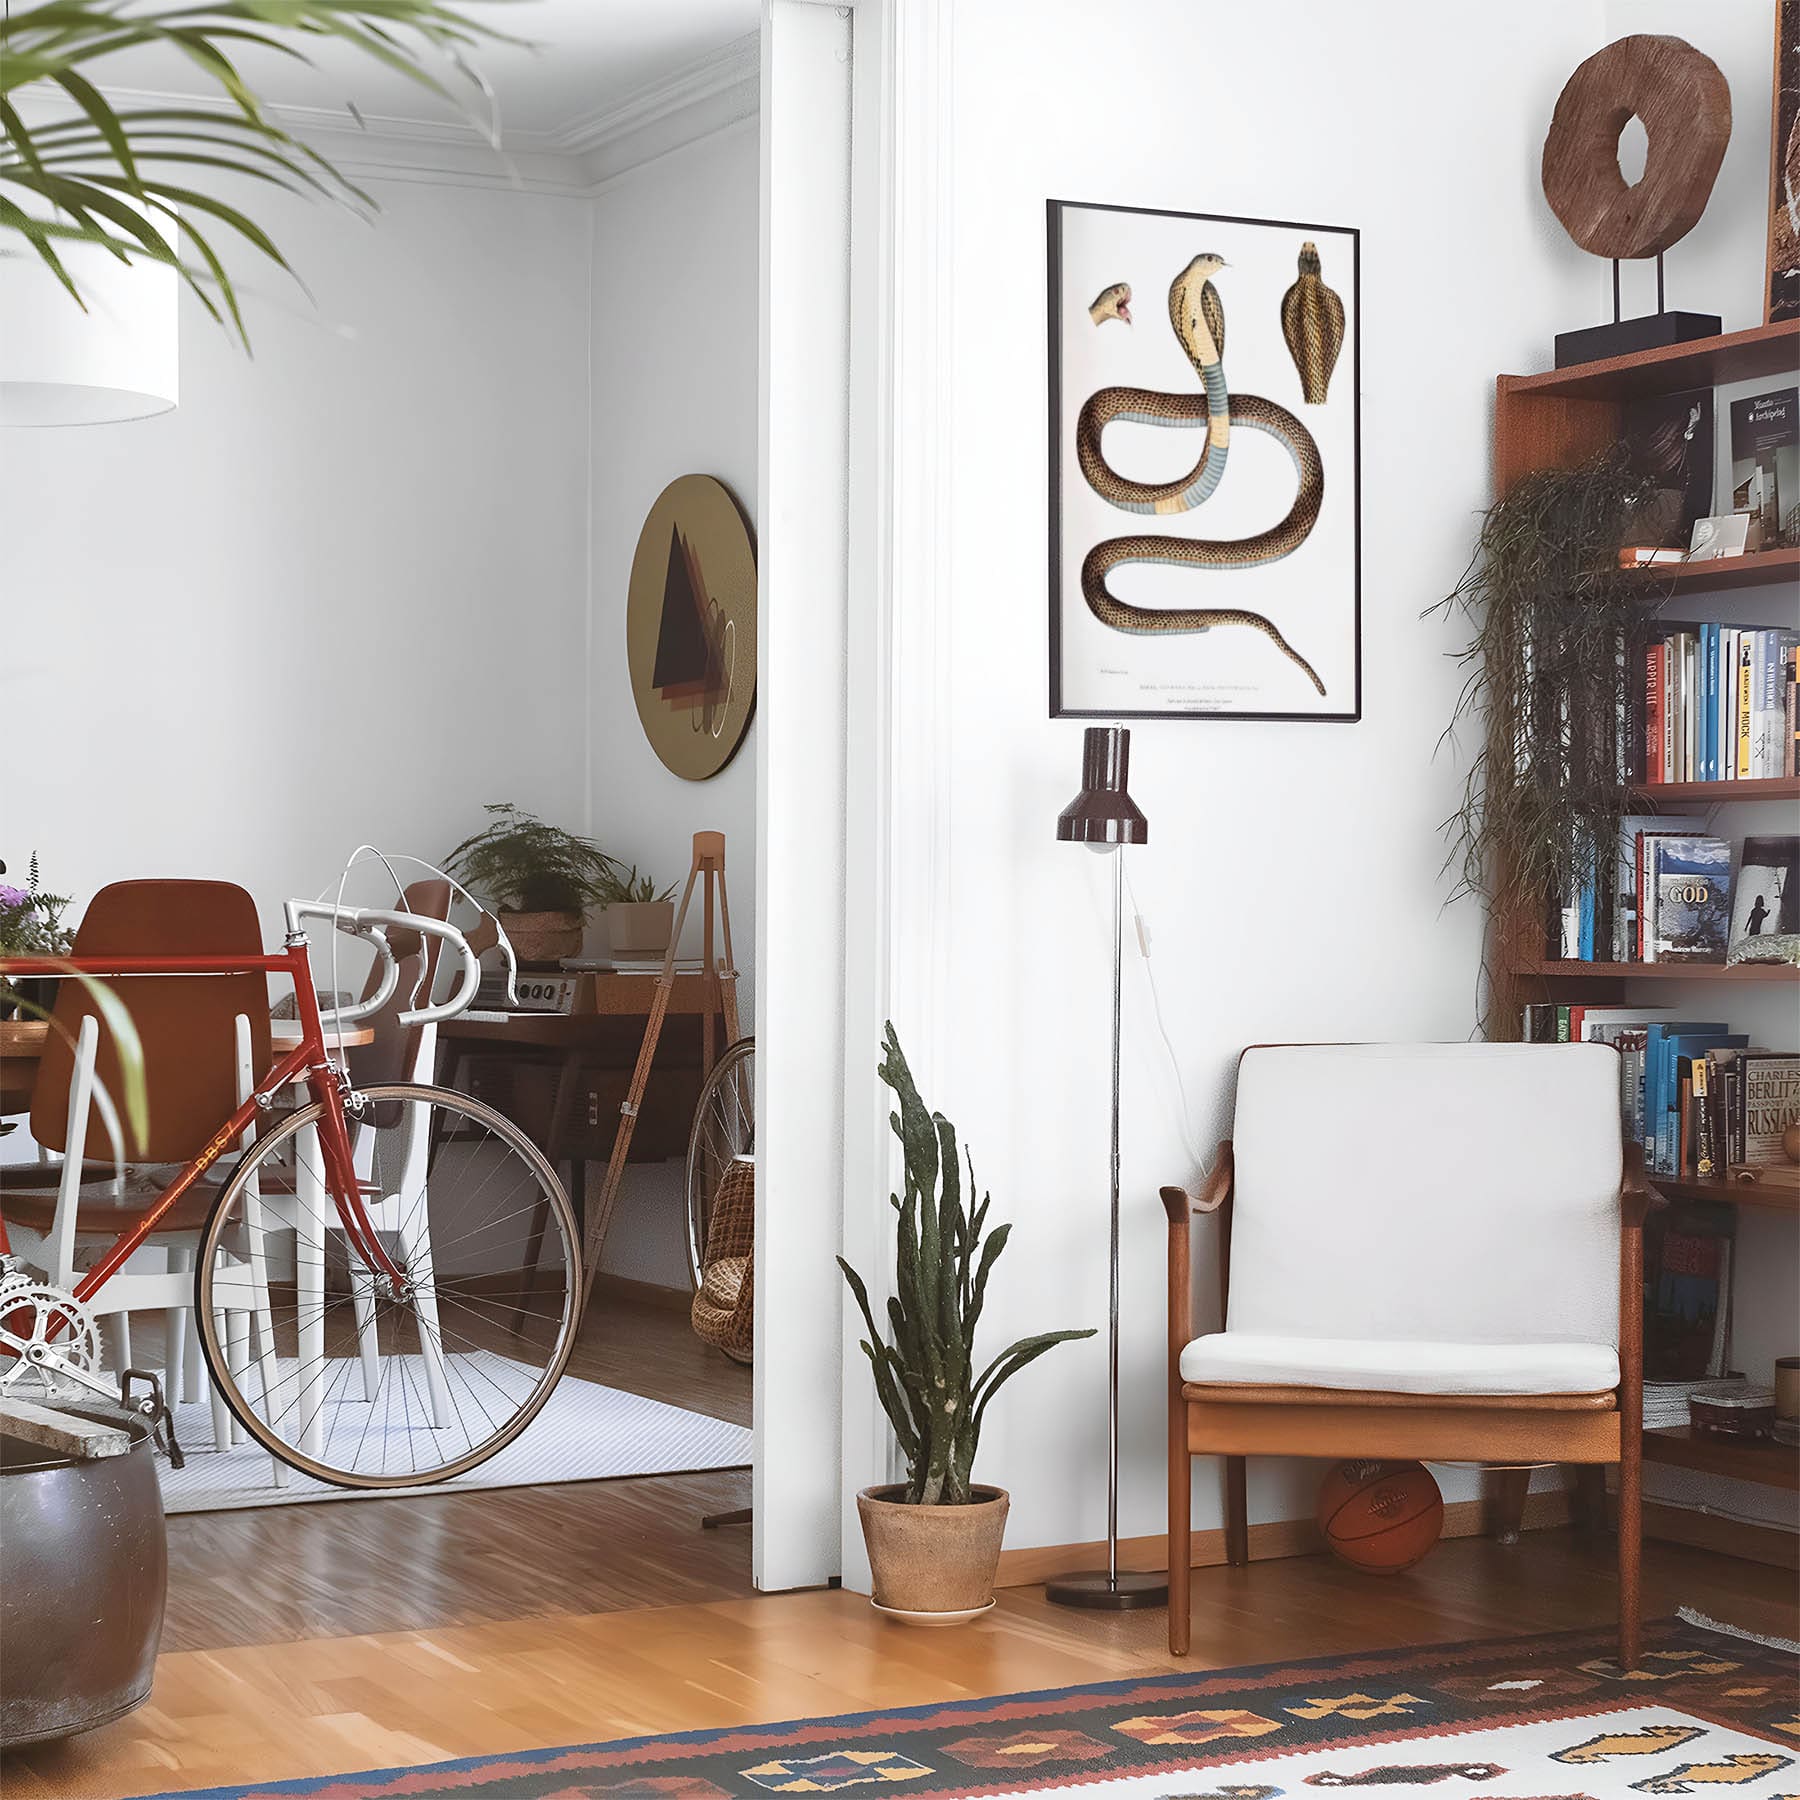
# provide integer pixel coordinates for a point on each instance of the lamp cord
(1184, 1111)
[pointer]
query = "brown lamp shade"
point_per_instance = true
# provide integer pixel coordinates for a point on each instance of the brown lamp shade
(1103, 812)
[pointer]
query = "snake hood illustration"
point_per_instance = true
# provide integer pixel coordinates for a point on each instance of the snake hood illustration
(1312, 321)
(1112, 303)
(1197, 316)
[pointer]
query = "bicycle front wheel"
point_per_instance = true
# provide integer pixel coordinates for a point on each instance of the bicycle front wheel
(358, 1379)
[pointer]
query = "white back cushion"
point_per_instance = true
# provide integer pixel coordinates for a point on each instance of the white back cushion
(1457, 1192)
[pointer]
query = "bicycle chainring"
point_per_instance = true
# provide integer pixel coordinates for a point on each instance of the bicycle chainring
(34, 1312)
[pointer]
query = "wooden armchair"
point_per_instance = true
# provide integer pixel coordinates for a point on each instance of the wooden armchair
(1428, 1251)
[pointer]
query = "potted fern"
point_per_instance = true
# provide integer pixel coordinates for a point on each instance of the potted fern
(934, 1539)
(542, 878)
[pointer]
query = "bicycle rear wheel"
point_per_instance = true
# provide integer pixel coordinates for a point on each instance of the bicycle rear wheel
(337, 1370)
(724, 1127)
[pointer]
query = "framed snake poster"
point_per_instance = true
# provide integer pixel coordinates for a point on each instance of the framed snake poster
(1205, 484)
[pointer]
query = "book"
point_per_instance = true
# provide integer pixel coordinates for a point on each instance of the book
(1633, 829)
(1768, 1103)
(1687, 1302)
(1766, 897)
(1765, 459)
(1688, 882)
(1768, 701)
(1669, 439)
(1741, 761)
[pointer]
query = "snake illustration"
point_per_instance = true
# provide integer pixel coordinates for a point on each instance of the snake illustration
(1198, 319)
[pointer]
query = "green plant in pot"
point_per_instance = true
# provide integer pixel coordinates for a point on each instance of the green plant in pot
(639, 918)
(934, 1540)
(542, 878)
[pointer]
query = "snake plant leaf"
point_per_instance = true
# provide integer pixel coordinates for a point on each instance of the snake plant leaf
(942, 1262)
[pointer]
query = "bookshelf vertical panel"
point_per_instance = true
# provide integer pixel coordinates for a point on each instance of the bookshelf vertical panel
(1547, 431)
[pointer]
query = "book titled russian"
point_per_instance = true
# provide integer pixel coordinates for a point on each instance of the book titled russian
(1770, 1099)
(1765, 460)
(1690, 882)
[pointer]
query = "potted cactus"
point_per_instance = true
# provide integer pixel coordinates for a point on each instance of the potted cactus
(934, 1539)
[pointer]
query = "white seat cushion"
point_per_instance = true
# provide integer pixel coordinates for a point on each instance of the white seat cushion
(1394, 1366)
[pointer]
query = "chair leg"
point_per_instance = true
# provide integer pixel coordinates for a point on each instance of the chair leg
(1237, 1512)
(1181, 1537)
(1590, 1499)
(175, 1329)
(1630, 1553)
(1506, 1502)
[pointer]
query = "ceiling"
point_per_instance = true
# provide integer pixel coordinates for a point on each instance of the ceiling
(586, 60)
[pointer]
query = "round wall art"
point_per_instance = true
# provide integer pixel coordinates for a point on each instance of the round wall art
(690, 626)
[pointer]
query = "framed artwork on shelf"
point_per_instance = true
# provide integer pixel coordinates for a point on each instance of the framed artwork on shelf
(1784, 168)
(1205, 479)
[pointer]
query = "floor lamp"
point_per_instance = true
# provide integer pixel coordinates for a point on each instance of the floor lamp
(1104, 817)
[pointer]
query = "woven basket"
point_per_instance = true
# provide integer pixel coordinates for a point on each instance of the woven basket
(723, 1308)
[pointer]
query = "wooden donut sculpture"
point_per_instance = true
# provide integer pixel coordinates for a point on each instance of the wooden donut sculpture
(1684, 102)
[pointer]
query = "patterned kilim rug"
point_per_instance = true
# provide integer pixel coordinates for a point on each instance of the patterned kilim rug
(1543, 1718)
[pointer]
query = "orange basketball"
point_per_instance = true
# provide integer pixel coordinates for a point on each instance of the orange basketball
(1380, 1517)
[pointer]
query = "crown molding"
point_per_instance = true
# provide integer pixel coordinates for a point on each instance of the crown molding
(724, 73)
(706, 96)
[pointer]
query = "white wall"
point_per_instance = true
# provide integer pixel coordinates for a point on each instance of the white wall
(674, 361)
(375, 528)
(1293, 875)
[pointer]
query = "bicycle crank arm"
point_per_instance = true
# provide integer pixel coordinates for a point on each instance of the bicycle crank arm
(48, 1358)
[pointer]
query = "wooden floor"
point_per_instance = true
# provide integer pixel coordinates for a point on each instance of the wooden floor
(334, 1568)
(336, 1704)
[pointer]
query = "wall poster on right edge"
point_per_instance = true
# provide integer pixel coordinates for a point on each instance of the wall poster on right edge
(1205, 481)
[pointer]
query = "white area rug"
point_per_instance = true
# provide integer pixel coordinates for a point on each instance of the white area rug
(586, 1432)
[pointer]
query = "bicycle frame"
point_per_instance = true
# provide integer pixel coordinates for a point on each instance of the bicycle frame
(309, 1061)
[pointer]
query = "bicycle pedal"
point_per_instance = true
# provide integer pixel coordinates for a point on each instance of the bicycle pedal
(156, 1409)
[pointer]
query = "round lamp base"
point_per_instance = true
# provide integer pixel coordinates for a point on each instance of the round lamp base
(1095, 1590)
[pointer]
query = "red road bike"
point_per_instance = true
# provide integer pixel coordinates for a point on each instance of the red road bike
(387, 1280)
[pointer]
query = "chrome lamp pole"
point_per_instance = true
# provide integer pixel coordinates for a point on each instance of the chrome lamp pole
(1105, 818)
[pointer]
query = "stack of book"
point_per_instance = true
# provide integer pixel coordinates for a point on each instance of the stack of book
(1699, 1097)
(1718, 704)
(1678, 894)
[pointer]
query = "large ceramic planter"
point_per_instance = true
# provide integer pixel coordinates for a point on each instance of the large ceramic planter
(542, 939)
(640, 928)
(85, 1570)
(933, 1565)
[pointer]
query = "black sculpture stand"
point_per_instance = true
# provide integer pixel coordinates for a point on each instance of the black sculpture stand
(1626, 337)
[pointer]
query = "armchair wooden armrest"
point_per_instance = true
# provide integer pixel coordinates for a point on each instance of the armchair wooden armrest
(1179, 1204)
(1636, 1196)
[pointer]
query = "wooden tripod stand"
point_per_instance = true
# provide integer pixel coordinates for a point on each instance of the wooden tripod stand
(720, 977)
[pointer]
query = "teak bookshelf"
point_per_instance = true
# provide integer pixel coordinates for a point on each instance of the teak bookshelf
(1558, 420)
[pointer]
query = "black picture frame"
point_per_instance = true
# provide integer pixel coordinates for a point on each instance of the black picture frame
(1055, 211)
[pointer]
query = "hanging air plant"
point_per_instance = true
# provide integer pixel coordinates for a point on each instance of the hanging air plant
(1548, 678)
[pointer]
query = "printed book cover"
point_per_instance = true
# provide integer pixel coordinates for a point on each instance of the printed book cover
(1687, 1298)
(1767, 896)
(1765, 458)
(1670, 440)
(1691, 888)
(1770, 1097)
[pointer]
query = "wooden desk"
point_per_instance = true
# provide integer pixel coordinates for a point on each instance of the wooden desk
(561, 1077)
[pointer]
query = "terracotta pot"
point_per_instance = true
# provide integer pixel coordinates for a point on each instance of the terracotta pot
(542, 939)
(640, 927)
(933, 1559)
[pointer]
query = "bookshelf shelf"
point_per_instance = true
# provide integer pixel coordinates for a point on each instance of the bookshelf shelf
(1764, 350)
(1760, 568)
(1769, 1198)
(1778, 787)
(1655, 971)
(1758, 1460)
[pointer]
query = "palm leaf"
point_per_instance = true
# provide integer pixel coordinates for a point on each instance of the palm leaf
(67, 165)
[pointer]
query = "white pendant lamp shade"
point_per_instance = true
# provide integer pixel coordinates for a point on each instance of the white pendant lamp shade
(61, 366)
